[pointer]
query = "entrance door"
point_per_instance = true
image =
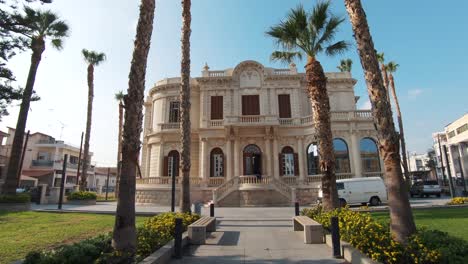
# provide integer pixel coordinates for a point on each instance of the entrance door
(252, 160)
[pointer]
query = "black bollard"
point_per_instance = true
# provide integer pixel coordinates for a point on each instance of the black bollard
(178, 238)
(296, 205)
(335, 234)
(211, 210)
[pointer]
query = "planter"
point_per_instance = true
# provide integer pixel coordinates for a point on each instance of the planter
(15, 207)
(82, 202)
(164, 254)
(350, 254)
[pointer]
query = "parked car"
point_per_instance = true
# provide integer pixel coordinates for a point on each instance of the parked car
(364, 191)
(427, 188)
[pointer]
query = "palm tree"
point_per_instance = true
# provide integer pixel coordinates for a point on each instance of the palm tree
(93, 59)
(185, 107)
(345, 65)
(119, 97)
(37, 27)
(124, 235)
(391, 67)
(401, 217)
(383, 68)
(312, 34)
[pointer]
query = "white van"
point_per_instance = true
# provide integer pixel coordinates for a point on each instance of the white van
(361, 191)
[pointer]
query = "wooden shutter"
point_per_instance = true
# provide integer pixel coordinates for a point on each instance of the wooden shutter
(216, 107)
(211, 165)
(224, 166)
(280, 158)
(250, 105)
(284, 104)
(166, 168)
(296, 164)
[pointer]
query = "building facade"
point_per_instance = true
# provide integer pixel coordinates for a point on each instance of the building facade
(253, 136)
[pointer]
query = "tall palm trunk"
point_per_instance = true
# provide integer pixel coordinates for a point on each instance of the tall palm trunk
(385, 79)
(400, 128)
(185, 107)
(124, 235)
(11, 181)
(402, 222)
(317, 88)
(119, 149)
(84, 173)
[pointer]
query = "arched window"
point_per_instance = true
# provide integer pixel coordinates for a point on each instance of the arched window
(313, 159)
(216, 163)
(341, 156)
(369, 155)
(171, 164)
(289, 162)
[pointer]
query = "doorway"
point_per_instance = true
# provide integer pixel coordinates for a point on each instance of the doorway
(252, 160)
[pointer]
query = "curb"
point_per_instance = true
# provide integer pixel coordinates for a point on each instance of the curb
(92, 212)
(164, 254)
(350, 254)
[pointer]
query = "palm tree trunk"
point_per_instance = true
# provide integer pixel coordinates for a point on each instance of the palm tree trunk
(385, 79)
(119, 149)
(11, 181)
(401, 217)
(317, 88)
(400, 128)
(124, 235)
(185, 107)
(84, 173)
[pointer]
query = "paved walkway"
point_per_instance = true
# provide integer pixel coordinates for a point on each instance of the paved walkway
(257, 241)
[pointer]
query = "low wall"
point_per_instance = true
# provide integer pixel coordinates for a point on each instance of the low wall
(306, 196)
(162, 195)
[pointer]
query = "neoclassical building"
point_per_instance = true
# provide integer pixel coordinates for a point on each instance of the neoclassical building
(253, 137)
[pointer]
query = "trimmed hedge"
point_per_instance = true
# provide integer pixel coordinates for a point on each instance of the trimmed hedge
(155, 232)
(82, 195)
(15, 198)
(375, 240)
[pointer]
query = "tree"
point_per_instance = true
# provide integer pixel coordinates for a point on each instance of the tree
(383, 68)
(345, 65)
(36, 27)
(401, 217)
(119, 97)
(391, 67)
(124, 235)
(92, 58)
(312, 34)
(185, 107)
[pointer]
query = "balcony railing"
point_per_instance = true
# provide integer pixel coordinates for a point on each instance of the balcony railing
(167, 126)
(216, 123)
(252, 119)
(194, 181)
(42, 163)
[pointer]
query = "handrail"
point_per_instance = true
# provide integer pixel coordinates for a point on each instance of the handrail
(282, 187)
(224, 189)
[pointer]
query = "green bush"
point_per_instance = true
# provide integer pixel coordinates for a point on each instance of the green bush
(374, 239)
(86, 251)
(81, 195)
(15, 198)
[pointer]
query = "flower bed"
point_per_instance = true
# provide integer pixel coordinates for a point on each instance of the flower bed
(374, 239)
(458, 201)
(155, 232)
(82, 195)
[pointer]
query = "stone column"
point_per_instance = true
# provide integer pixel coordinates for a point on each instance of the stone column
(462, 159)
(228, 159)
(161, 160)
(268, 156)
(300, 152)
(236, 157)
(204, 160)
(356, 155)
(275, 158)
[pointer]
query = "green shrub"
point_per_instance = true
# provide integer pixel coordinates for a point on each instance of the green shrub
(86, 251)
(452, 249)
(15, 198)
(158, 230)
(81, 195)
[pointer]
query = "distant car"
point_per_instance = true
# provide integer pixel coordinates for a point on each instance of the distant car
(368, 190)
(20, 190)
(425, 189)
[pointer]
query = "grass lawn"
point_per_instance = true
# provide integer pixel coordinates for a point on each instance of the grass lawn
(451, 220)
(26, 231)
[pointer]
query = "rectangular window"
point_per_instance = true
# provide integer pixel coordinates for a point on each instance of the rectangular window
(73, 159)
(451, 134)
(340, 186)
(288, 164)
(174, 112)
(250, 105)
(43, 156)
(216, 107)
(284, 105)
(218, 165)
(462, 129)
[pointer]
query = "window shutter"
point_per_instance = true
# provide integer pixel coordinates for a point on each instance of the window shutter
(216, 107)
(224, 166)
(280, 158)
(211, 165)
(296, 164)
(284, 104)
(165, 168)
(250, 105)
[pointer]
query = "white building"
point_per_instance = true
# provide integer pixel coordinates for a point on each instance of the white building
(98, 181)
(417, 165)
(247, 121)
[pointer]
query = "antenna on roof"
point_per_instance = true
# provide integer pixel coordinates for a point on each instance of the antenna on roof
(61, 128)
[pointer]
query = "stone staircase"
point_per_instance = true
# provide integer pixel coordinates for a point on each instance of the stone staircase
(252, 191)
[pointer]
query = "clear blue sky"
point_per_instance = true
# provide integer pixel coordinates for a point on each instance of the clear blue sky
(427, 38)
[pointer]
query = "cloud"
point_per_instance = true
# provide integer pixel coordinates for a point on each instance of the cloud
(366, 105)
(413, 93)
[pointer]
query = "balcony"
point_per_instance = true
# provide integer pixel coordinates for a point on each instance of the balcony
(42, 163)
(251, 120)
(169, 126)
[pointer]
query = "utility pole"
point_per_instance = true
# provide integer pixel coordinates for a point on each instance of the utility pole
(20, 169)
(452, 191)
(62, 182)
(441, 159)
(79, 161)
(173, 189)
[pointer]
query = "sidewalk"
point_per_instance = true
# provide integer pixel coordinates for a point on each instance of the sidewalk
(257, 241)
